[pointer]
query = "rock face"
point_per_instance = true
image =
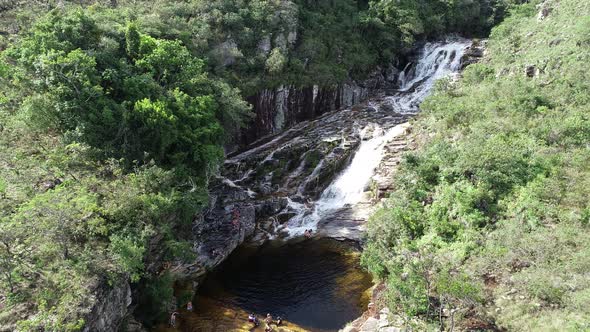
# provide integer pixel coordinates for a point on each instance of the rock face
(278, 178)
(110, 307)
(263, 187)
(474, 53)
(281, 108)
(284, 174)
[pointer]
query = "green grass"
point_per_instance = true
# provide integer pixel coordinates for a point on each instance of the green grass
(498, 189)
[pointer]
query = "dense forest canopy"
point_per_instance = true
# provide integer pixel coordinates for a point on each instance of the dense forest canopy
(114, 115)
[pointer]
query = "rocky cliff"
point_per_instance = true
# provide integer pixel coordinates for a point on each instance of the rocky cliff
(110, 306)
(278, 109)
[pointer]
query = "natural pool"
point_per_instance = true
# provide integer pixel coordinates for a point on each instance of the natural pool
(314, 285)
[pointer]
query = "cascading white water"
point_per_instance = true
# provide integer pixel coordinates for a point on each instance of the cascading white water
(436, 60)
(349, 187)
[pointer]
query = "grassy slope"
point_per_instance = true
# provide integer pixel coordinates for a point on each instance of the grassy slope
(496, 196)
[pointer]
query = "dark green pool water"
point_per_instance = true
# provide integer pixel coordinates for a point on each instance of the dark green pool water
(316, 284)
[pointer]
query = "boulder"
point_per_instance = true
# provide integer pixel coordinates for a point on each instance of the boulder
(531, 71)
(370, 325)
(544, 11)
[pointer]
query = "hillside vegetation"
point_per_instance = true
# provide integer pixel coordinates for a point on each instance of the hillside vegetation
(489, 224)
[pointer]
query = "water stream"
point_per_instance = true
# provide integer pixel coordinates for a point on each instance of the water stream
(436, 60)
(316, 285)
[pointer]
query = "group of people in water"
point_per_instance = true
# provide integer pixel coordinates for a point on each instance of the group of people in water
(268, 321)
(175, 314)
(308, 233)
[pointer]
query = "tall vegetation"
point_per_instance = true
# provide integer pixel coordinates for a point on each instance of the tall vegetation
(109, 136)
(490, 218)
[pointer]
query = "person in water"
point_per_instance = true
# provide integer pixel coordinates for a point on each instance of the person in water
(173, 319)
(189, 306)
(268, 319)
(252, 319)
(307, 233)
(279, 321)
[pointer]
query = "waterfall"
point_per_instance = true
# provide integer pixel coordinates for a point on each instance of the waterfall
(435, 61)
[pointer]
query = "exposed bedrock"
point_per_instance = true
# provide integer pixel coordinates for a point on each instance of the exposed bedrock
(280, 108)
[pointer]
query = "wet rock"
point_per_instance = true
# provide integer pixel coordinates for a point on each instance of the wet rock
(284, 217)
(386, 107)
(265, 189)
(270, 207)
(392, 74)
(474, 53)
(338, 151)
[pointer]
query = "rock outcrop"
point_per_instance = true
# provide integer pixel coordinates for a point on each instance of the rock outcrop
(259, 189)
(378, 318)
(474, 53)
(283, 107)
(110, 306)
(349, 222)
